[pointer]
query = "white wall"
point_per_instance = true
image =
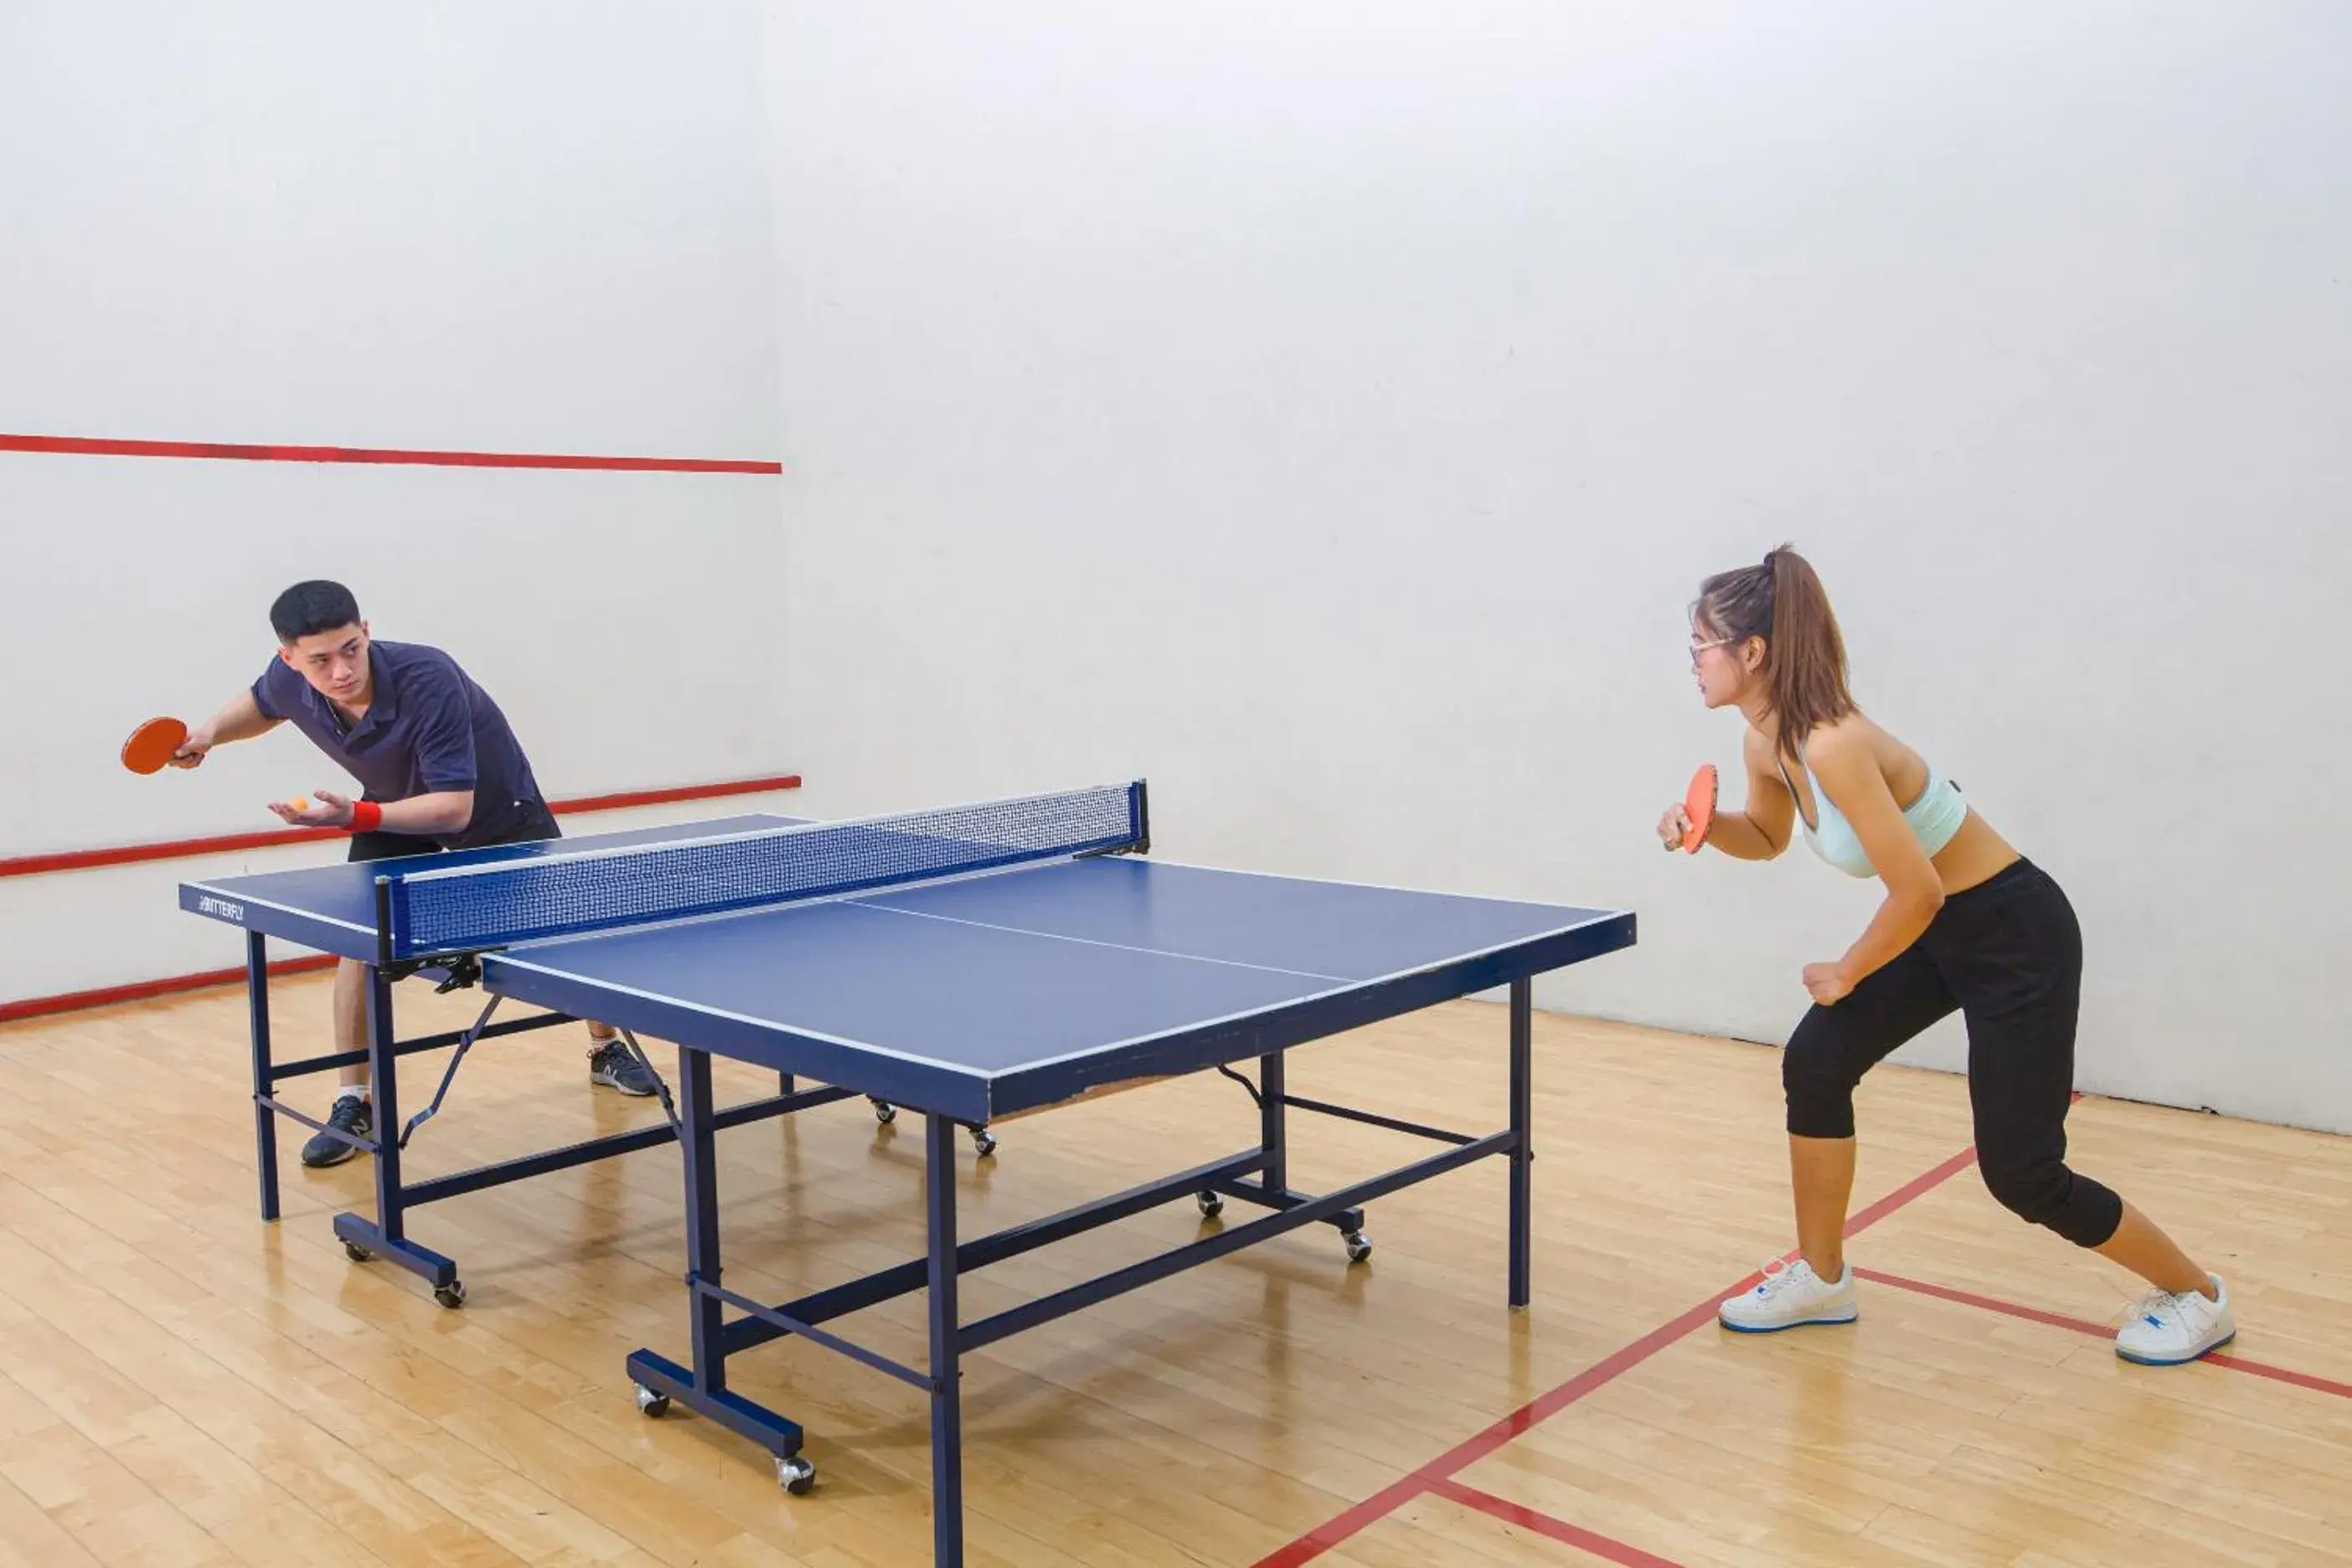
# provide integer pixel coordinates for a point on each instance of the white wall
(514, 227)
(523, 224)
(1328, 410)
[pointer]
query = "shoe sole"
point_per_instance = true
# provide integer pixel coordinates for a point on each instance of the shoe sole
(2123, 1355)
(609, 1081)
(1784, 1327)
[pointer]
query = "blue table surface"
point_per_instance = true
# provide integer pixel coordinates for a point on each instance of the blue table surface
(1020, 968)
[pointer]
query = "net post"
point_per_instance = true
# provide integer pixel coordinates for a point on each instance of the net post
(1139, 816)
(384, 923)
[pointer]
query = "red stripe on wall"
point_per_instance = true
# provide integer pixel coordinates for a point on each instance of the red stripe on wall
(95, 447)
(140, 990)
(278, 837)
(624, 799)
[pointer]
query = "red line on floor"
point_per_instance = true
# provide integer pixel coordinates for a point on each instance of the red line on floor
(274, 838)
(2098, 1331)
(98, 447)
(1909, 1190)
(1529, 1518)
(1477, 1447)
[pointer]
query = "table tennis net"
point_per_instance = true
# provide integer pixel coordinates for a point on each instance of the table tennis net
(475, 907)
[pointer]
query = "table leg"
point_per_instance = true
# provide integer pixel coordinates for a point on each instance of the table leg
(946, 1373)
(1522, 1131)
(265, 1080)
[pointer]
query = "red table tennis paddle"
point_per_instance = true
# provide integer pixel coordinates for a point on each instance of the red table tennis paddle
(1698, 804)
(153, 744)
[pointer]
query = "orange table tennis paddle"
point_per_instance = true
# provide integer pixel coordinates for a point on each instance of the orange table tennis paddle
(1698, 804)
(152, 743)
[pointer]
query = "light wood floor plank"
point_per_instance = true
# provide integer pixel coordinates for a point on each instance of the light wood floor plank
(181, 1383)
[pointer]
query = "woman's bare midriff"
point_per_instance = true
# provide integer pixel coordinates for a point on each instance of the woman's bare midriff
(1976, 855)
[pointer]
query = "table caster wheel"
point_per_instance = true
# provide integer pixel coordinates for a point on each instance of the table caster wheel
(356, 1253)
(885, 1112)
(651, 1404)
(1359, 1246)
(983, 1142)
(1211, 1205)
(795, 1475)
(452, 1295)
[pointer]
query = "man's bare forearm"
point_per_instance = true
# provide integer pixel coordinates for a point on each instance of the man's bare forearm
(241, 719)
(437, 815)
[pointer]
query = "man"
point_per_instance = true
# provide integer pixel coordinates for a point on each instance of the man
(438, 767)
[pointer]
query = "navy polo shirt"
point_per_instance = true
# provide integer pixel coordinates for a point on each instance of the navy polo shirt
(429, 728)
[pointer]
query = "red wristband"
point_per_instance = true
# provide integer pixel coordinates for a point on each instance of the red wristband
(365, 816)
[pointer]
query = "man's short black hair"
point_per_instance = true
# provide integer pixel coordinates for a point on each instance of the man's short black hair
(308, 609)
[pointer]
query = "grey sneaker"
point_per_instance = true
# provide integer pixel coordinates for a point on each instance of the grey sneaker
(613, 1062)
(352, 1115)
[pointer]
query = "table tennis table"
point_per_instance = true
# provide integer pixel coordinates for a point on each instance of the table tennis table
(967, 963)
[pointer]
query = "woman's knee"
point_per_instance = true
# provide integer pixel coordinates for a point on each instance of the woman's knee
(2042, 1190)
(1818, 1087)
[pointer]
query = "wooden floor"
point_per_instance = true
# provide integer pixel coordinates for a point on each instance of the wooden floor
(181, 1385)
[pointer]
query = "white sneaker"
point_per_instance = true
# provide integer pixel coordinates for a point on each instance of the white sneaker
(1791, 1297)
(2167, 1329)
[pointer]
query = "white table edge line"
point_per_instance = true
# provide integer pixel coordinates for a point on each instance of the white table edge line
(236, 898)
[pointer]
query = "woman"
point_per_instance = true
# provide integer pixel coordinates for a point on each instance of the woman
(1967, 923)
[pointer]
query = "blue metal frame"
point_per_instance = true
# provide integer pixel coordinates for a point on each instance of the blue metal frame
(264, 1074)
(714, 1337)
(947, 1341)
(1523, 1146)
(385, 1234)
